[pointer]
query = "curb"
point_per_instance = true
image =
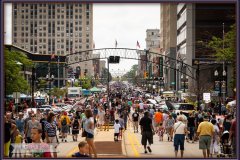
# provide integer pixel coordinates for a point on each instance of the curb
(124, 149)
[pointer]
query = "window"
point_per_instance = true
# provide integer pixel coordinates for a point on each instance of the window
(87, 22)
(87, 28)
(87, 34)
(62, 46)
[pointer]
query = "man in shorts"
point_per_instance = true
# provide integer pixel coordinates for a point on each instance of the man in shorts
(205, 131)
(147, 131)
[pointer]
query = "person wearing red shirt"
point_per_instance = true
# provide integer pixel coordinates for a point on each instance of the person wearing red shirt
(233, 135)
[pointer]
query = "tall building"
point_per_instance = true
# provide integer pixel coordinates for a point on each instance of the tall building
(54, 28)
(196, 24)
(185, 39)
(153, 45)
(168, 34)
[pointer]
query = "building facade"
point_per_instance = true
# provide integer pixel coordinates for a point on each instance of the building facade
(168, 34)
(54, 28)
(196, 25)
(153, 45)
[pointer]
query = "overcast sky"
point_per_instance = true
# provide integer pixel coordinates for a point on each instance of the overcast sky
(126, 23)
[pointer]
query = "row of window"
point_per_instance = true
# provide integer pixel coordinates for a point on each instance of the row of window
(42, 49)
(50, 6)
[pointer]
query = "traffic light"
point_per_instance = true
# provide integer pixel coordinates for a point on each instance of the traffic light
(145, 74)
(114, 59)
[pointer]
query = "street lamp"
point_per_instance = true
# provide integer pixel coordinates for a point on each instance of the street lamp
(220, 85)
(72, 80)
(184, 79)
(49, 79)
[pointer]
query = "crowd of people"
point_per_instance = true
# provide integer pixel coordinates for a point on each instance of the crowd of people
(48, 129)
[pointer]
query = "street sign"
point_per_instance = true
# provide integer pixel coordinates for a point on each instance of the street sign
(207, 97)
(16, 96)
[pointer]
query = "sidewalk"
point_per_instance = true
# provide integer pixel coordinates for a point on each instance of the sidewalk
(105, 145)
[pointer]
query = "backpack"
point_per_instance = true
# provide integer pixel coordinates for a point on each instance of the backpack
(64, 121)
(75, 124)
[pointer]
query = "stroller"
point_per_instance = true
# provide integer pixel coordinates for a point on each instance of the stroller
(226, 148)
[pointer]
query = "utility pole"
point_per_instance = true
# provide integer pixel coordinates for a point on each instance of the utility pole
(108, 79)
(198, 85)
(33, 79)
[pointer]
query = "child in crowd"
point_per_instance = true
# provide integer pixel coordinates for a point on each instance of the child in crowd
(83, 150)
(18, 140)
(117, 127)
(160, 132)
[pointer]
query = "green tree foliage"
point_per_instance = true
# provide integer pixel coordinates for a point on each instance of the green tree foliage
(58, 92)
(131, 75)
(104, 77)
(41, 84)
(228, 53)
(86, 83)
(14, 63)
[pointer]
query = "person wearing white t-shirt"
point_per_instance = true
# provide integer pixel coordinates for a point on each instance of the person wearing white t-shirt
(141, 107)
(101, 114)
(117, 127)
(180, 129)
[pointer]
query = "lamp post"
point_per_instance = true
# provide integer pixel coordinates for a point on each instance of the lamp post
(72, 80)
(184, 79)
(220, 85)
(49, 79)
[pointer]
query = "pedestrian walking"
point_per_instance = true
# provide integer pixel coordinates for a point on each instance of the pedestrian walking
(75, 128)
(160, 131)
(169, 127)
(214, 147)
(65, 122)
(191, 127)
(147, 131)
(205, 131)
(89, 128)
(31, 124)
(117, 127)
(180, 130)
(37, 149)
(135, 119)
(106, 120)
(101, 115)
(18, 140)
(50, 130)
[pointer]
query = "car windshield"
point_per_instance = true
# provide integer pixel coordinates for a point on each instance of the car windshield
(185, 107)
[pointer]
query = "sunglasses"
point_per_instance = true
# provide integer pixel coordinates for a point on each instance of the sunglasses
(33, 116)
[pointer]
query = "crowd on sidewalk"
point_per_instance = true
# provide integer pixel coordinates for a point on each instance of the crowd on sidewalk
(42, 127)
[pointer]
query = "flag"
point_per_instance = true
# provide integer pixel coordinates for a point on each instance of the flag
(138, 45)
(116, 43)
(53, 56)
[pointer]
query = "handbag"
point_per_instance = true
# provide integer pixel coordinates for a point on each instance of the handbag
(84, 133)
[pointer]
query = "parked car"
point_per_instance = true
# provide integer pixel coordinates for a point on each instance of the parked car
(44, 108)
(186, 108)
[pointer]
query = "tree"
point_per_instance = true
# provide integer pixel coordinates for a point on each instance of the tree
(131, 75)
(86, 83)
(14, 80)
(228, 53)
(58, 92)
(104, 78)
(41, 84)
